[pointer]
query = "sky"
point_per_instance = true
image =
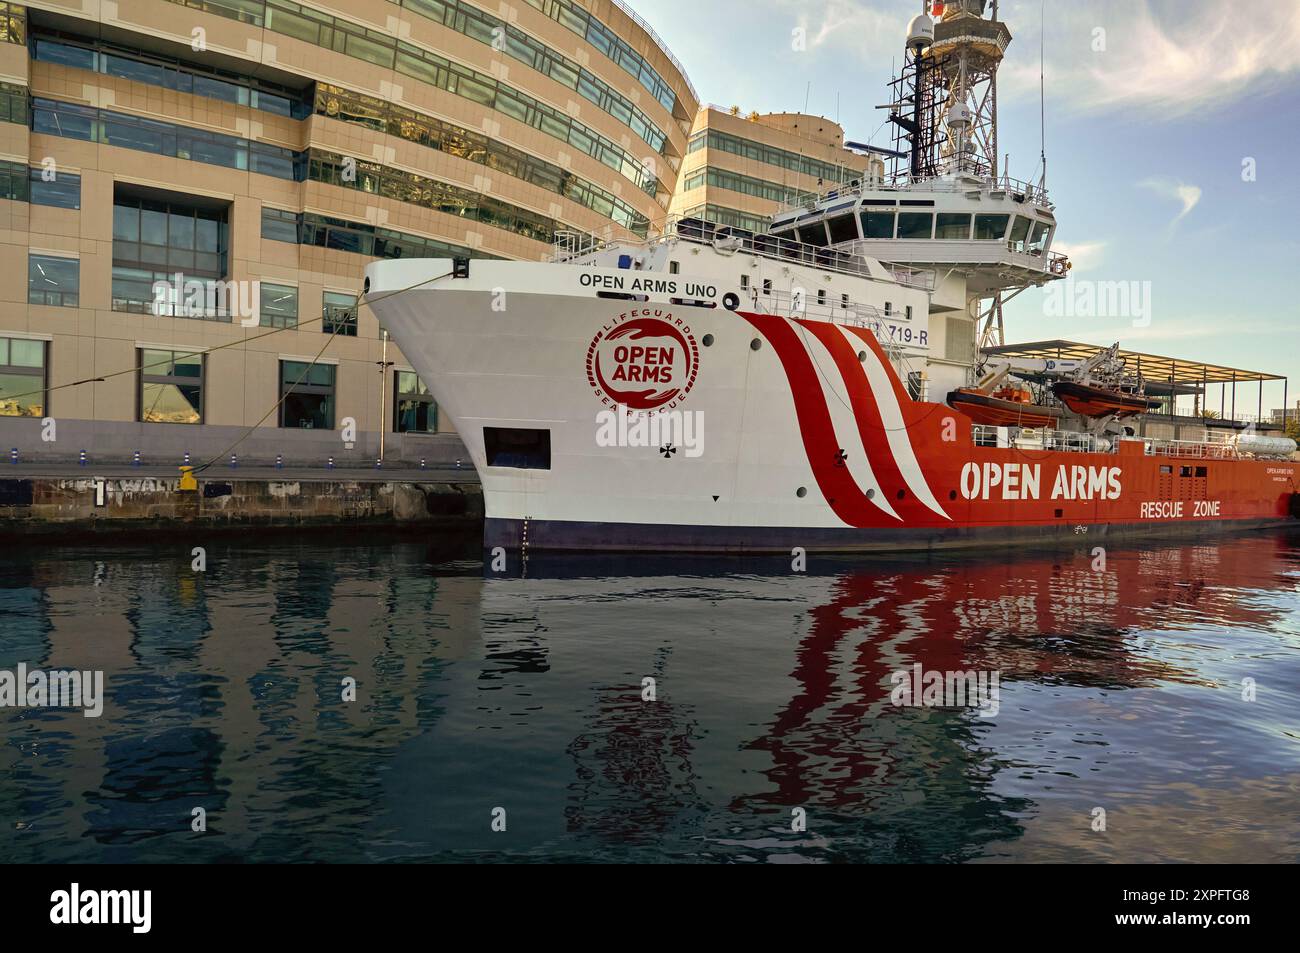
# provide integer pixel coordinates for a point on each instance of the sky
(1172, 128)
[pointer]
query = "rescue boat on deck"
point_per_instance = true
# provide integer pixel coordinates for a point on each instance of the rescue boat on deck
(1089, 400)
(1005, 407)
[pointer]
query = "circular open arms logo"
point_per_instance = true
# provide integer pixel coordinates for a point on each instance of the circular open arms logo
(644, 359)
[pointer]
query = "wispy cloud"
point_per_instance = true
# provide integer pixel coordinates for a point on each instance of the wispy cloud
(1085, 256)
(1164, 57)
(1188, 196)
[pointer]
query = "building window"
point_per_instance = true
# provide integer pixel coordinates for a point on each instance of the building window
(73, 121)
(51, 280)
(278, 306)
(279, 225)
(61, 190)
(308, 395)
(414, 410)
(13, 103)
(156, 238)
(13, 181)
(13, 23)
(821, 295)
(86, 53)
(744, 282)
(22, 378)
(171, 387)
(339, 314)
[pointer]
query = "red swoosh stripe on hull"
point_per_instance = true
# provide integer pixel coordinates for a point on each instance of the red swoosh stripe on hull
(866, 413)
(837, 485)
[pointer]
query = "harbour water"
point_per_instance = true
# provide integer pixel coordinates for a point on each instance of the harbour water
(1161, 688)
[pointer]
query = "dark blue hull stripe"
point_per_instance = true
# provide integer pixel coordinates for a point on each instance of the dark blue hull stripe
(564, 536)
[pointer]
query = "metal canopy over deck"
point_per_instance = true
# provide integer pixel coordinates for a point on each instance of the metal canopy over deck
(1165, 376)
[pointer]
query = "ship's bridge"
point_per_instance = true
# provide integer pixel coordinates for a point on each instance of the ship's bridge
(997, 232)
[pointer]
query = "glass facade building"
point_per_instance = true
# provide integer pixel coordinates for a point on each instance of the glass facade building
(194, 215)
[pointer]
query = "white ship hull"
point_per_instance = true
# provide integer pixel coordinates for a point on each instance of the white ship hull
(802, 435)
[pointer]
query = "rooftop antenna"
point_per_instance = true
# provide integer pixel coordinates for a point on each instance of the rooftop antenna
(1042, 92)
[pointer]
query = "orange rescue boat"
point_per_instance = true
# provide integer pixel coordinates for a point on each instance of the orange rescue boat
(1088, 400)
(1005, 407)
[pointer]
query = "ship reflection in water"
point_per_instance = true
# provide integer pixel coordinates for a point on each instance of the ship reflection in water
(1119, 688)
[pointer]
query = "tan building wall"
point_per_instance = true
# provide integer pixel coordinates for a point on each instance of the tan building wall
(93, 342)
(773, 158)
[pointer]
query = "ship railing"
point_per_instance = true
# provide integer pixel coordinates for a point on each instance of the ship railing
(1192, 449)
(962, 182)
(1028, 438)
(845, 259)
(853, 314)
(570, 244)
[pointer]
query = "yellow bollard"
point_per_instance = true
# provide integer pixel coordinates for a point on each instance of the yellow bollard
(188, 483)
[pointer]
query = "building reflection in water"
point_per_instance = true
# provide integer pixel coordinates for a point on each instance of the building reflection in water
(225, 691)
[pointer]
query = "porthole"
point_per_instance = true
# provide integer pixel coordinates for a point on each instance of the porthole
(801, 492)
(755, 344)
(871, 494)
(952, 494)
(862, 356)
(707, 340)
(902, 494)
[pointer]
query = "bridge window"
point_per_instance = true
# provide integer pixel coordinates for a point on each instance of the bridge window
(1038, 240)
(991, 227)
(1020, 233)
(914, 225)
(877, 224)
(813, 235)
(844, 229)
(952, 226)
